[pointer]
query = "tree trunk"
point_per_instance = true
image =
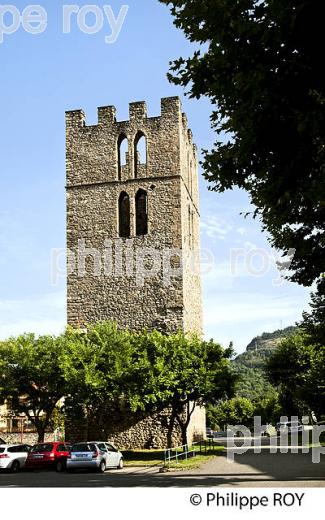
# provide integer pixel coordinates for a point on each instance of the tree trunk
(41, 426)
(184, 424)
(41, 433)
(183, 427)
(170, 431)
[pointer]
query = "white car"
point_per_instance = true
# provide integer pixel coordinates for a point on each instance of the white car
(13, 456)
(94, 455)
(289, 427)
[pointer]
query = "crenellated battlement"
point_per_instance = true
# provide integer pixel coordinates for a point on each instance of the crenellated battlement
(109, 150)
(107, 115)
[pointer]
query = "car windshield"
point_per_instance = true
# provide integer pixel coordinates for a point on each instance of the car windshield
(2, 450)
(83, 447)
(42, 448)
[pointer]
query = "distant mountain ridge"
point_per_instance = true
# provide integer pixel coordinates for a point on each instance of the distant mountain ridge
(270, 340)
(250, 364)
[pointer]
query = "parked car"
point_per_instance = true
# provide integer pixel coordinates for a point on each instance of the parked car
(97, 456)
(48, 455)
(220, 433)
(13, 456)
(209, 433)
(289, 427)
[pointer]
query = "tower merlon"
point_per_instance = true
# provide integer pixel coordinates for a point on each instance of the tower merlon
(138, 110)
(171, 107)
(106, 115)
(185, 120)
(75, 118)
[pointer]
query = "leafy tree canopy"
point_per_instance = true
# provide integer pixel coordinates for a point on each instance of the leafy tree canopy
(96, 363)
(298, 369)
(106, 368)
(259, 62)
(180, 372)
(31, 377)
(313, 323)
(235, 411)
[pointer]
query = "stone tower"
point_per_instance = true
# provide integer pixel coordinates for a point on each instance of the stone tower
(133, 220)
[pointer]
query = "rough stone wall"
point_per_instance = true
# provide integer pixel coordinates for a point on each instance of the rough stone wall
(129, 280)
(28, 438)
(192, 296)
(123, 291)
(136, 431)
(132, 290)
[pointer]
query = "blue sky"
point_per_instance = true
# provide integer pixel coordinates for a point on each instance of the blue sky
(42, 76)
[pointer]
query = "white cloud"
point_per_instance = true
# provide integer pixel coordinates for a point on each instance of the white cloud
(250, 245)
(216, 227)
(241, 231)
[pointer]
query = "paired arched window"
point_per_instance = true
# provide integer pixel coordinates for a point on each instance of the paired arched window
(140, 151)
(124, 215)
(141, 212)
(122, 151)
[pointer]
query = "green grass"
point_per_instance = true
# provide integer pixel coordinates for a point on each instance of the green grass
(156, 458)
(143, 457)
(197, 461)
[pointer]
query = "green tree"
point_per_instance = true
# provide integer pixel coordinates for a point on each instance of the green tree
(268, 408)
(258, 62)
(298, 369)
(180, 372)
(31, 377)
(96, 366)
(235, 411)
(313, 323)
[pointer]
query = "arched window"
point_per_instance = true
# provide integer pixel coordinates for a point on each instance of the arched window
(141, 209)
(124, 215)
(140, 151)
(122, 150)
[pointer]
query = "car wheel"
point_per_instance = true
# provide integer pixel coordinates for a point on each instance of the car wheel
(102, 467)
(15, 466)
(121, 464)
(59, 466)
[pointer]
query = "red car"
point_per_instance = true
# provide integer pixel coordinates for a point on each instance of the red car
(48, 455)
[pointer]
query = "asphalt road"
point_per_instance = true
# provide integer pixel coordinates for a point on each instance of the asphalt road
(248, 470)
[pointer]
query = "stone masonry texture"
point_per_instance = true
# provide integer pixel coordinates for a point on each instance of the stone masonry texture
(141, 282)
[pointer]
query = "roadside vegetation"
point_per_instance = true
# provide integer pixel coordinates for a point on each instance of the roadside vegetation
(149, 458)
(107, 368)
(257, 62)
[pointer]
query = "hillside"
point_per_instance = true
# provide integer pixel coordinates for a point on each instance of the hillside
(249, 365)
